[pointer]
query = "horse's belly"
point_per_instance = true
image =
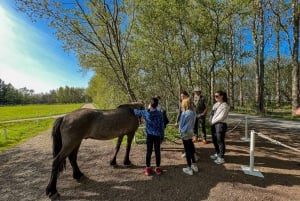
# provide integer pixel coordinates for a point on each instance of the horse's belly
(107, 133)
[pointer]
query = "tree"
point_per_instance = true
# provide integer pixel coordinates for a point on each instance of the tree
(97, 31)
(258, 34)
(295, 55)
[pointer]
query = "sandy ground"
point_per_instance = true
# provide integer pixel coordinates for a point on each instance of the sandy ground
(25, 171)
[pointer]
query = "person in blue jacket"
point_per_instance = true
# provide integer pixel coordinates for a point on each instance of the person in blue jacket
(154, 134)
(186, 128)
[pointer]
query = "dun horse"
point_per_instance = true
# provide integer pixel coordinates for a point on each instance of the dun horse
(69, 130)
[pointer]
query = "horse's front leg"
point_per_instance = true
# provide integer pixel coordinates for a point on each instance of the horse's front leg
(114, 160)
(128, 147)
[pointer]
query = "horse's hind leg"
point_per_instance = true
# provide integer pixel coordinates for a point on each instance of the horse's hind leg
(77, 174)
(128, 147)
(51, 190)
(114, 160)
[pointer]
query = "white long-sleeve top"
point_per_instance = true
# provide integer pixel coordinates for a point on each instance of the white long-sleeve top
(221, 112)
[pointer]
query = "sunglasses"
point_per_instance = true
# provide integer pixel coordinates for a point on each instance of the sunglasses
(217, 96)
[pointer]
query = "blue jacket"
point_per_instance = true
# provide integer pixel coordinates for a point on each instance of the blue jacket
(154, 121)
(187, 123)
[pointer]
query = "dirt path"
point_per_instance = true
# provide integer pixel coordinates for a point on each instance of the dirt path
(25, 171)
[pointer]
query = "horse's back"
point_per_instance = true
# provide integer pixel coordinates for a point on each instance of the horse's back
(100, 124)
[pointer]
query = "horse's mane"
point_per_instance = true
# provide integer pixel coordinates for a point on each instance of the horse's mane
(133, 105)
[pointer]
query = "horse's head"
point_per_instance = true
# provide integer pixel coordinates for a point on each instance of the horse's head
(134, 105)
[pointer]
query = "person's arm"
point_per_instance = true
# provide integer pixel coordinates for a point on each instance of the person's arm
(297, 111)
(162, 127)
(206, 108)
(178, 116)
(139, 113)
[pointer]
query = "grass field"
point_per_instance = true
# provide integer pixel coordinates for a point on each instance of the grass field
(30, 111)
(12, 134)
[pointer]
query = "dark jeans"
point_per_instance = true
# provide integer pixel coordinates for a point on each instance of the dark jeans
(218, 131)
(189, 149)
(200, 121)
(150, 141)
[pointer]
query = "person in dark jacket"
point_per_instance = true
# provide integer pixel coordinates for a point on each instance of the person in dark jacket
(154, 134)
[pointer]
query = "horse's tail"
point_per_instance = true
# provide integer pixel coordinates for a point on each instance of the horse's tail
(57, 142)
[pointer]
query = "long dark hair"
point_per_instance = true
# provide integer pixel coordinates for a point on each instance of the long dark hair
(223, 94)
(185, 93)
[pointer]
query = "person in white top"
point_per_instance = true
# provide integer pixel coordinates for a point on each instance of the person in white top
(217, 120)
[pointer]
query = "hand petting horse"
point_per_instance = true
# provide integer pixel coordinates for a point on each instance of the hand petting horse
(69, 131)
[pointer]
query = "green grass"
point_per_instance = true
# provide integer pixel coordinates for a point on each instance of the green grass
(31, 111)
(12, 134)
(171, 134)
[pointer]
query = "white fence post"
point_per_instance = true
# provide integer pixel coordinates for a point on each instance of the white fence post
(5, 133)
(252, 145)
(246, 138)
(250, 170)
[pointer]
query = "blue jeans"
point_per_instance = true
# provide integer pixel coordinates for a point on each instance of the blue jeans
(151, 141)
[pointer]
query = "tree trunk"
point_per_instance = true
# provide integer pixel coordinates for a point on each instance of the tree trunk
(295, 63)
(258, 36)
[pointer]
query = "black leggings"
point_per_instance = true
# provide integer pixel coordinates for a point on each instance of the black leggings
(218, 131)
(150, 141)
(189, 149)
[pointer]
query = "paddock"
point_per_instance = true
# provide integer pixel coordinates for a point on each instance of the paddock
(25, 171)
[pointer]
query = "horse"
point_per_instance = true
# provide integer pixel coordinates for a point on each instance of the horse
(68, 132)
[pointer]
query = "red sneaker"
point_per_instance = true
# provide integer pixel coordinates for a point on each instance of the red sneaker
(147, 171)
(158, 171)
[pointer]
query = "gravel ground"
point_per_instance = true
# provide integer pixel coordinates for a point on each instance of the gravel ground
(25, 171)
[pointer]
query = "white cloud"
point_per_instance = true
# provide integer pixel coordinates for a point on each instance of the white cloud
(32, 58)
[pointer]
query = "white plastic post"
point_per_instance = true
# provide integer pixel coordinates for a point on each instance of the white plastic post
(250, 170)
(252, 145)
(246, 138)
(246, 127)
(5, 133)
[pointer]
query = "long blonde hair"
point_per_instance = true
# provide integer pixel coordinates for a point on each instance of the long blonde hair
(187, 105)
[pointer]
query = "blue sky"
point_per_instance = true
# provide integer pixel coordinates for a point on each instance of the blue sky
(31, 57)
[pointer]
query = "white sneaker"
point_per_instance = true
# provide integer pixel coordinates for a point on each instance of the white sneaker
(183, 155)
(195, 168)
(219, 160)
(214, 157)
(187, 170)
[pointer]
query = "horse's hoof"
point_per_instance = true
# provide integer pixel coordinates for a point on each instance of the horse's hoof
(54, 196)
(113, 163)
(78, 176)
(127, 164)
(81, 179)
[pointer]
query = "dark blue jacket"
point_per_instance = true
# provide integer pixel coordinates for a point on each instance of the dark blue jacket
(154, 121)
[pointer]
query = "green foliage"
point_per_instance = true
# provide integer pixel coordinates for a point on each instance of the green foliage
(12, 134)
(12, 96)
(139, 48)
(32, 111)
(105, 95)
(171, 134)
